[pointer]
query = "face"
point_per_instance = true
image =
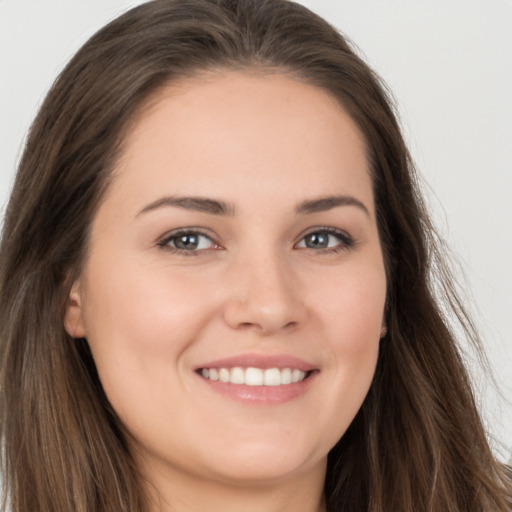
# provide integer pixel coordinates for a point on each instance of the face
(234, 288)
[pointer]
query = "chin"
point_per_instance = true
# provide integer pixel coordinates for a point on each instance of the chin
(266, 463)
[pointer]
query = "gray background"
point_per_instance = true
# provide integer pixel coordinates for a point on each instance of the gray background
(449, 64)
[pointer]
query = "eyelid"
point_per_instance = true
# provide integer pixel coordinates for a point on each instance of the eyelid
(164, 241)
(346, 240)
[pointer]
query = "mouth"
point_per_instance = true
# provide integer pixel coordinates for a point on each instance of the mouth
(268, 379)
(252, 376)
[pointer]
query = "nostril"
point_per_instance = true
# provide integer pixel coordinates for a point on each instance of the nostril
(264, 311)
(246, 325)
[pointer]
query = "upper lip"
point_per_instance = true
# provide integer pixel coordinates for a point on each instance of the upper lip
(263, 361)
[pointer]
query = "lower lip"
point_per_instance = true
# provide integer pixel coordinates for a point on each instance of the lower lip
(265, 395)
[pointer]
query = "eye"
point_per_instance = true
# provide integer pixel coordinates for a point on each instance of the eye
(326, 239)
(187, 241)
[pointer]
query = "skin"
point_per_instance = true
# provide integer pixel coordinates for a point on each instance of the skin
(263, 144)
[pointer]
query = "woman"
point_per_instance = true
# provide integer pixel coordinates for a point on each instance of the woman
(216, 283)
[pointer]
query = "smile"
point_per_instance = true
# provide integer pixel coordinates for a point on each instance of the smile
(254, 376)
(265, 379)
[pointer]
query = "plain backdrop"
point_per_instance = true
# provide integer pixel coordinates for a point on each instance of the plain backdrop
(449, 65)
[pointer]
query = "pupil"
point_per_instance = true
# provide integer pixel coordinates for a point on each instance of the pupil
(316, 240)
(187, 242)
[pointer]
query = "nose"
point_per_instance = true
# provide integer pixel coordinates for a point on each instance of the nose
(264, 296)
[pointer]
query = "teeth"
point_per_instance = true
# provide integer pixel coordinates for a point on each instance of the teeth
(286, 376)
(297, 376)
(237, 376)
(272, 377)
(224, 375)
(254, 376)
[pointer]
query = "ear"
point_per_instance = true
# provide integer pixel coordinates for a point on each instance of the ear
(384, 324)
(73, 317)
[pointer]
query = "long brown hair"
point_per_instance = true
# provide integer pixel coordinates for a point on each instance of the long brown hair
(417, 444)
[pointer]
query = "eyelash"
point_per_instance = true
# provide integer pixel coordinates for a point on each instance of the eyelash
(165, 242)
(346, 242)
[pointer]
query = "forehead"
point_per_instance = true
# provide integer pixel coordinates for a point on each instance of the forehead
(218, 132)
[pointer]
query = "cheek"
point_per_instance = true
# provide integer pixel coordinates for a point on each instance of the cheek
(352, 304)
(362, 307)
(143, 309)
(353, 316)
(138, 323)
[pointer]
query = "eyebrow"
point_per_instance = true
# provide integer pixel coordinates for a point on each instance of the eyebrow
(324, 204)
(216, 207)
(198, 204)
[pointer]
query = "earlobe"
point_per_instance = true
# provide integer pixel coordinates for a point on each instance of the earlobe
(73, 317)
